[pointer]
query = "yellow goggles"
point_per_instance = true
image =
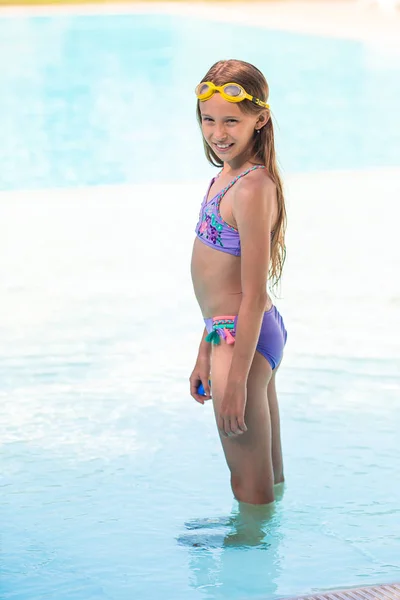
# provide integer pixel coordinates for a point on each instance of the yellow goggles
(232, 92)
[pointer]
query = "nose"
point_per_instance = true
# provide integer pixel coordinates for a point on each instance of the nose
(220, 133)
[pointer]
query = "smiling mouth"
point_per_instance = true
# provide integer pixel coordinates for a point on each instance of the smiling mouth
(223, 147)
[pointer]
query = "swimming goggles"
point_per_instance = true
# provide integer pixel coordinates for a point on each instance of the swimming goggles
(232, 92)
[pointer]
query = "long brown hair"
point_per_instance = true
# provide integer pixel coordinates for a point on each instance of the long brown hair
(263, 151)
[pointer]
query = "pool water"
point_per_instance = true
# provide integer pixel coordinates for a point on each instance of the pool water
(113, 481)
(91, 100)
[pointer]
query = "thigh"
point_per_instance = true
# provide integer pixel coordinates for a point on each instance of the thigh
(249, 454)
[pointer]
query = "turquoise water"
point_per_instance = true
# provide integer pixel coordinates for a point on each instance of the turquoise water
(89, 100)
(113, 482)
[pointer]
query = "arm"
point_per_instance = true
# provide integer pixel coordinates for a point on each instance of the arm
(201, 371)
(253, 209)
(205, 347)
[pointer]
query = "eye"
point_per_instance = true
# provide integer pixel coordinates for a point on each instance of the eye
(232, 121)
(206, 119)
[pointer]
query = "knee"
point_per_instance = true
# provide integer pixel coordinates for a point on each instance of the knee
(252, 491)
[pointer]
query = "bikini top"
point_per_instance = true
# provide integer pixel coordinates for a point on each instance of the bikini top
(211, 229)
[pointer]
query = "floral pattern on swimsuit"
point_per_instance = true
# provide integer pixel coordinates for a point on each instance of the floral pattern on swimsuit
(209, 228)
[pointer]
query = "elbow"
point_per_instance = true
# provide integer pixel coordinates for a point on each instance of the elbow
(255, 300)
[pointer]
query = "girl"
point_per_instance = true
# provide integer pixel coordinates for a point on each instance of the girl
(239, 243)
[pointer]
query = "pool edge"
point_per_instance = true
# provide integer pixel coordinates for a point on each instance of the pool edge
(388, 591)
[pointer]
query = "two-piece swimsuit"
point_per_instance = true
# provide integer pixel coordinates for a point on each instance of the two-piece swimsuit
(213, 231)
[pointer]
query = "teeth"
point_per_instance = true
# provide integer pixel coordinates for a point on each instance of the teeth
(223, 145)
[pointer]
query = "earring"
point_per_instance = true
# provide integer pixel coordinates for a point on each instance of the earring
(258, 130)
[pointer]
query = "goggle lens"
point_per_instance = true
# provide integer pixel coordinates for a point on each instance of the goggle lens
(233, 90)
(202, 88)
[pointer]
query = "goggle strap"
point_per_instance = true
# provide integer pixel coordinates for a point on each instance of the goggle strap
(258, 102)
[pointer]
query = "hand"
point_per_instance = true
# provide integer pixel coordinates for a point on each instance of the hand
(201, 374)
(230, 417)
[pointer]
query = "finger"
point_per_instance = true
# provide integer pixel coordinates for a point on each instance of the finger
(198, 398)
(194, 384)
(236, 430)
(242, 425)
(220, 424)
(206, 388)
(227, 426)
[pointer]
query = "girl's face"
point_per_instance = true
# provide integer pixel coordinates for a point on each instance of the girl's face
(226, 129)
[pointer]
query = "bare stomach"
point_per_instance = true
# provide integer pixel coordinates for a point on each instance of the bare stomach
(216, 281)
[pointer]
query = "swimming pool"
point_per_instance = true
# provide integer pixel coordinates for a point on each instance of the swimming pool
(80, 98)
(113, 481)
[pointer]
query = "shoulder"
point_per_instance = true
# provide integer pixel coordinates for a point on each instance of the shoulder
(255, 191)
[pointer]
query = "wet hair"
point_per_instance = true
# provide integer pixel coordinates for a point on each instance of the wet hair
(263, 150)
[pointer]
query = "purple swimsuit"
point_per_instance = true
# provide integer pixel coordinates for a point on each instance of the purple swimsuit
(213, 231)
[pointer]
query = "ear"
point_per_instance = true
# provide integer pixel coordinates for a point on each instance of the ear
(262, 119)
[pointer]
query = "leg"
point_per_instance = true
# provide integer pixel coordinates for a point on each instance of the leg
(277, 459)
(250, 524)
(273, 336)
(249, 456)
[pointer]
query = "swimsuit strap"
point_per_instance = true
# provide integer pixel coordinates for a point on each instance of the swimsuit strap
(228, 187)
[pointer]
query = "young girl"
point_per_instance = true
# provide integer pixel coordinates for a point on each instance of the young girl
(239, 245)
